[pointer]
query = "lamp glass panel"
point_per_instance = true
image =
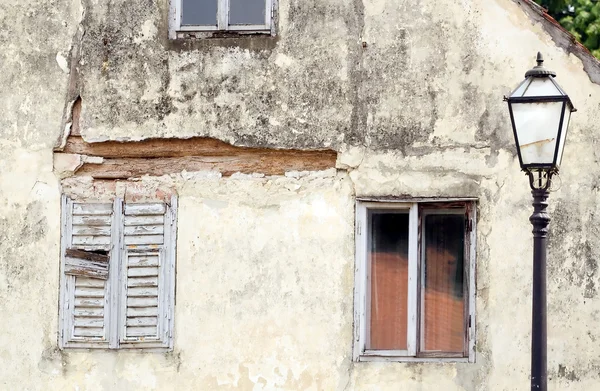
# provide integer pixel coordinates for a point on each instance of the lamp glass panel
(563, 134)
(542, 86)
(537, 129)
(518, 92)
(199, 12)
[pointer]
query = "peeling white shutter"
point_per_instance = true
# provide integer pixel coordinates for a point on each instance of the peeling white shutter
(85, 310)
(146, 286)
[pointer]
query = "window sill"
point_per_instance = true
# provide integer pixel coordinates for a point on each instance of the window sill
(384, 358)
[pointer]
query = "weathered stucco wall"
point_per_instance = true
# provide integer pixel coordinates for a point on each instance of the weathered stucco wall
(408, 93)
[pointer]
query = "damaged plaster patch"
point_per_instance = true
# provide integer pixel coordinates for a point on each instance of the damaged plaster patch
(147, 32)
(62, 62)
(67, 164)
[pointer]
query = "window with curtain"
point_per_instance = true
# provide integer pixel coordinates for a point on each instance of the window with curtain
(415, 280)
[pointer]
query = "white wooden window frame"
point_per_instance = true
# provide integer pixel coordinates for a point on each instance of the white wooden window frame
(222, 25)
(115, 298)
(362, 280)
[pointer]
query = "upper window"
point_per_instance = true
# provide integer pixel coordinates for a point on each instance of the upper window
(117, 275)
(222, 15)
(415, 281)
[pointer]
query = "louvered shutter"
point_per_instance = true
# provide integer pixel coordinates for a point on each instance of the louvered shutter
(146, 276)
(85, 309)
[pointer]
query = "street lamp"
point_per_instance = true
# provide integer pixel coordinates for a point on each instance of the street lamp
(540, 111)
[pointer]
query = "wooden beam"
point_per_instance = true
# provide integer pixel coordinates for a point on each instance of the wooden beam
(168, 156)
(227, 165)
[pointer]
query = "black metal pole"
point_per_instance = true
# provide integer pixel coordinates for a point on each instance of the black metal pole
(540, 220)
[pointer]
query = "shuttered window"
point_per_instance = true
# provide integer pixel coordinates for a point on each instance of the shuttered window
(117, 274)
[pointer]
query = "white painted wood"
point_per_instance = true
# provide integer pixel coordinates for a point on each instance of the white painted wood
(89, 282)
(138, 302)
(191, 28)
(268, 14)
(170, 271)
(144, 220)
(86, 268)
(145, 230)
(143, 239)
(89, 291)
(83, 312)
(142, 311)
(133, 308)
(142, 281)
(142, 261)
(144, 209)
(92, 220)
(413, 279)
(115, 272)
(223, 14)
(142, 272)
(91, 241)
(174, 18)
(409, 200)
(91, 209)
(83, 230)
(84, 300)
(64, 304)
(472, 282)
(359, 282)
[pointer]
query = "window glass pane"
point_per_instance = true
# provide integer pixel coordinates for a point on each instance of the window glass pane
(443, 295)
(199, 12)
(388, 255)
(247, 11)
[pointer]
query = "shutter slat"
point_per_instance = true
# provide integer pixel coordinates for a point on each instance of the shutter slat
(145, 230)
(148, 331)
(144, 209)
(142, 281)
(92, 209)
(89, 282)
(142, 311)
(99, 220)
(142, 301)
(142, 272)
(91, 240)
(91, 230)
(143, 239)
(142, 292)
(94, 332)
(144, 220)
(88, 302)
(142, 321)
(89, 322)
(143, 261)
(88, 312)
(81, 292)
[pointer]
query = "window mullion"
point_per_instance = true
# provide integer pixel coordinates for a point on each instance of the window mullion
(413, 277)
(223, 15)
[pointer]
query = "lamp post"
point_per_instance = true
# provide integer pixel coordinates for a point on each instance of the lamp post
(540, 111)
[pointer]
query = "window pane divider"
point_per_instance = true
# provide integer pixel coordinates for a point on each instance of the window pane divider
(223, 14)
(413, 276)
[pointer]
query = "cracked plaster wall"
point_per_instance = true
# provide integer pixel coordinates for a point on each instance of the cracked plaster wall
(414, 111)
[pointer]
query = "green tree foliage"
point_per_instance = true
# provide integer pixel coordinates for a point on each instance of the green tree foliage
(580, 17)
